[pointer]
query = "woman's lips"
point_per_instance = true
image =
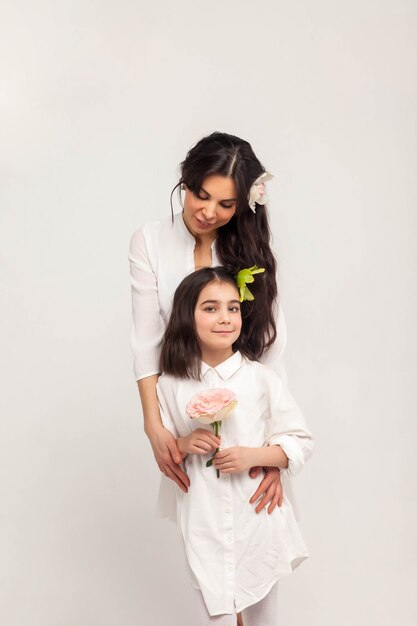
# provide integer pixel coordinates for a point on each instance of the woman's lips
(203, 224)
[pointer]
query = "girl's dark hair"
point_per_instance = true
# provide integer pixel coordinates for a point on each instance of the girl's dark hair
(181, 354)
(245, 240)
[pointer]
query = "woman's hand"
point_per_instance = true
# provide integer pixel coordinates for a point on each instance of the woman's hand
(234, 460)
(269, 490)
(199, 441)
(168, 456)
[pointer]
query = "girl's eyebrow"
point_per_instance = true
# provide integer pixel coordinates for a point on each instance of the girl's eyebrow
(216, 302)
(225, 200)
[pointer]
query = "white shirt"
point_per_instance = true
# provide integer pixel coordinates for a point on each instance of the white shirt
(161, 255)
(236, 555)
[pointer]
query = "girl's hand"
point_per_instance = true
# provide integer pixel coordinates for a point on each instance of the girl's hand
(269, 490)
(234, 460)
(168, 456)
(199, 441)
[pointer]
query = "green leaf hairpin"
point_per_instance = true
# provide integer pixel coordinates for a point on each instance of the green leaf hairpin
(246, 276)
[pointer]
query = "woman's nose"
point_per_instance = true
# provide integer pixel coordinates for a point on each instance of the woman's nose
(209, 210)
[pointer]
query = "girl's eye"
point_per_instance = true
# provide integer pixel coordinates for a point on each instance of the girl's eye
(234, 309)
(201, 196)
(210, 309)
(227, 206)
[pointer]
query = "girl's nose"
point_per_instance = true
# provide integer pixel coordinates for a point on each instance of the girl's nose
(224, 317)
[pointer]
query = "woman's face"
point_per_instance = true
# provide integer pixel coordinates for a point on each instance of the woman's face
(212, 207)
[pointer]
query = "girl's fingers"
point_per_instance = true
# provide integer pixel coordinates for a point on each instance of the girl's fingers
(222, 454)
(203, 444)
(220, 462)
(208, 436)
(229, 470)
(224, 464)
(214, 442)
(207, 444)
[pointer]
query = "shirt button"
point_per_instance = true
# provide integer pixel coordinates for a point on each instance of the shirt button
(226, 477)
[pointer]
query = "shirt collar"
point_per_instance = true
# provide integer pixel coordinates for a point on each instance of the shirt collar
(226, 369)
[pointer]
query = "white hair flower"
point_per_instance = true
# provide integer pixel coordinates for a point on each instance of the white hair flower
(257, 193)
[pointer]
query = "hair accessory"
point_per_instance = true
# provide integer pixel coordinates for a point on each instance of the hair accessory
(257, 194)
(246, 276)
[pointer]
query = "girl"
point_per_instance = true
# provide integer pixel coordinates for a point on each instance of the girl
(235, 557)
(223, 222)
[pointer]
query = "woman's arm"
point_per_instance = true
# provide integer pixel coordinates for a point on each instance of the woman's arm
(269, 491)
(273, 357)
(146, 335)
(163, 442)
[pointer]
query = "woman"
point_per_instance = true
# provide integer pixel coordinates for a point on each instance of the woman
(223, 222)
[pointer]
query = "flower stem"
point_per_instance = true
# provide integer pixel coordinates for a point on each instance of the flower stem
(216, 432)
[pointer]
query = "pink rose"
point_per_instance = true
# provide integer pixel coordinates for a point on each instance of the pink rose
(211, 405)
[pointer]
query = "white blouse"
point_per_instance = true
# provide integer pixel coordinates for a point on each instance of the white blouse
(161, 255)
(235, 555)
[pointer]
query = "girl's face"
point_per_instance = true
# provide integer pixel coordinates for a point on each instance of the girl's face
(212, 207)
(218, 319)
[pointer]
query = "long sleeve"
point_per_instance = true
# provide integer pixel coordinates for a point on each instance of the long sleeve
(165, 399)
(274, 356)
(288, 429)
(147, 323)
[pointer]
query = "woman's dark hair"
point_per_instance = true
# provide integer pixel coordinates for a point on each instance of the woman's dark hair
(245, 240)
(180, 353)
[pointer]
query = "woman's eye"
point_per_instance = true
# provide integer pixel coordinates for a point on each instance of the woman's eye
(234, 309)
(210, 309)
(201, 196)
(227, 206)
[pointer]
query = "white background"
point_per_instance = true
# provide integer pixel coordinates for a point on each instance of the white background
(99, 102)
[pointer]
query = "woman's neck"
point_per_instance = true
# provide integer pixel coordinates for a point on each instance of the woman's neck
(202, 239)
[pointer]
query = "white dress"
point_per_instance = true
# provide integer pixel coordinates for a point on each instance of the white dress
(236, 555)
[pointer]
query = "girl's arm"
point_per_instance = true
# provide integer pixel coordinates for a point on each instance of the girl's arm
(240, 458)
(290, 443)
(288, 429)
